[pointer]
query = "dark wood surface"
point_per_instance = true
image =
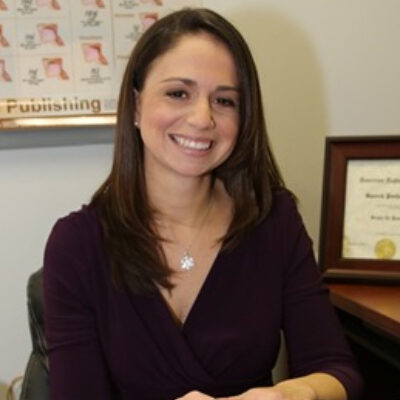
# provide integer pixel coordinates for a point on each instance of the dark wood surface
(370, 316)
(378, 306)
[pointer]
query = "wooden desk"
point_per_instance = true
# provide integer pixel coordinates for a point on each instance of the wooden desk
(378, 306)
(370, 316)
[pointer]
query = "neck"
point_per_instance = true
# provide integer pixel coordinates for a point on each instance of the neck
(180, 201)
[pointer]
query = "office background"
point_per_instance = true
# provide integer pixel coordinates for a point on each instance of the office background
(327, 68)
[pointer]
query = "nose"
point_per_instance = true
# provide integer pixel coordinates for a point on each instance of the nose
(200, 115)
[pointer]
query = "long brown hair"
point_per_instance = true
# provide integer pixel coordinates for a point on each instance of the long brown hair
(250, 174)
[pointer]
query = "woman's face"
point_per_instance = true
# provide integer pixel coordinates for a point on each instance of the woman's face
(188, 110)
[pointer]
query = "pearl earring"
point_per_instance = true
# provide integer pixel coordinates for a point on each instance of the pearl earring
(136, 123)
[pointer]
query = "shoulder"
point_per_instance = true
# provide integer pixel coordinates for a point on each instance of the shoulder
(82, 222)
(74, 254)
(283, 210)
(283, 225)
(75, 235)
(283, 201)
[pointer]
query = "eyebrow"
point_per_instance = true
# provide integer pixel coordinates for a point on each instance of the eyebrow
(191, 82)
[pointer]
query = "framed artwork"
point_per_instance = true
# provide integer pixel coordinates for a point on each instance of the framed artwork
(360, 221)
(62, 61)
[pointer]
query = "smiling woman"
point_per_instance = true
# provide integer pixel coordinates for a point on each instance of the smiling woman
(188, 109)
(178, 277)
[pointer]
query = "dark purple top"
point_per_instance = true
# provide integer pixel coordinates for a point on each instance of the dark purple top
(108, 344)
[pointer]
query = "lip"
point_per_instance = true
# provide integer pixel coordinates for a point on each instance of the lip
(192, 145)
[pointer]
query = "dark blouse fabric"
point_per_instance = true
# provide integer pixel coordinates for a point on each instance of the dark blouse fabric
(107, 344)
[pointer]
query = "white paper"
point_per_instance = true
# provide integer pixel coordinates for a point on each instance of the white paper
(372, 210)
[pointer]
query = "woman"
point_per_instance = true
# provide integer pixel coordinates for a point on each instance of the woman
(178, 277)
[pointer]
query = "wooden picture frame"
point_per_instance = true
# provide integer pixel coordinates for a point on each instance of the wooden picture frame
(376, 209)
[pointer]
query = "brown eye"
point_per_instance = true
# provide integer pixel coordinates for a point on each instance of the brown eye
(177, 94)
(225, 102)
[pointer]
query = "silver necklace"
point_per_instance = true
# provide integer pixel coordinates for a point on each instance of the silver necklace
(187, 261)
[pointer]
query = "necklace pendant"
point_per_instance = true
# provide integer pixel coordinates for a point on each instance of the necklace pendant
(187, 261)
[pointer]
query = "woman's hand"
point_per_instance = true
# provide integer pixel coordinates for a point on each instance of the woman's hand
(195, 395)
(316, 386)
(283, 391)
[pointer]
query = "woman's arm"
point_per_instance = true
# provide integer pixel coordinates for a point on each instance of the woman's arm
(319, 356)
(77, 368)
(322, 387)
(320, 362)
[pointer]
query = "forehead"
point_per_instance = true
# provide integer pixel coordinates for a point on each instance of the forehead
(201, 55)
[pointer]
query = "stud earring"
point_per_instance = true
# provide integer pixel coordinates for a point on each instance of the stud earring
(136, 123)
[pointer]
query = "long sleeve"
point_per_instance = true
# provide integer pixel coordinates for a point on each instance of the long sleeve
(107, 344)
(313, 335)
(77, 366)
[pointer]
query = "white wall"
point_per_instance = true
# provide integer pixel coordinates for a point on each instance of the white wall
(327, 67)
(37, 186)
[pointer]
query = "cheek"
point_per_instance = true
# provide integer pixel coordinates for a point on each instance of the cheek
(230, 130)
(157, 116)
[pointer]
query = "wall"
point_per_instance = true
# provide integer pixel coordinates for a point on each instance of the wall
(37, 186)
(326, 68)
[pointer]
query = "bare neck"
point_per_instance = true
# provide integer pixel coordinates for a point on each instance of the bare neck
(179, 201)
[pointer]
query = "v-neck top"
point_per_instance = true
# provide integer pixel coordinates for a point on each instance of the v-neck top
(107, 344)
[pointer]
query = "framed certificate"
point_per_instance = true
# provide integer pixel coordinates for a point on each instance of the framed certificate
(360, 222)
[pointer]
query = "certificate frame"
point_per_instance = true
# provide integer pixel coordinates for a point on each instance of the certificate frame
(339, 151)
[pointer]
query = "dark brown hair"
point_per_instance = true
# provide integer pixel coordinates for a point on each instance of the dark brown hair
(250, 174)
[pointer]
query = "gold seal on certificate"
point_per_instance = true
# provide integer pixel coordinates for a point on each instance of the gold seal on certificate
(385, 249)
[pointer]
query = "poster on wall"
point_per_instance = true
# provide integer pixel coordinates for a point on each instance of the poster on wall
(62, 61)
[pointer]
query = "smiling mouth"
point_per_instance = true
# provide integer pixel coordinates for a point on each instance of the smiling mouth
(192, 144)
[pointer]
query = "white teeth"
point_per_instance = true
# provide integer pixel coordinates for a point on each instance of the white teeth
(191, 144)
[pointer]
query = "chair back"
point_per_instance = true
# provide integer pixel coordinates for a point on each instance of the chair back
(35, 382)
